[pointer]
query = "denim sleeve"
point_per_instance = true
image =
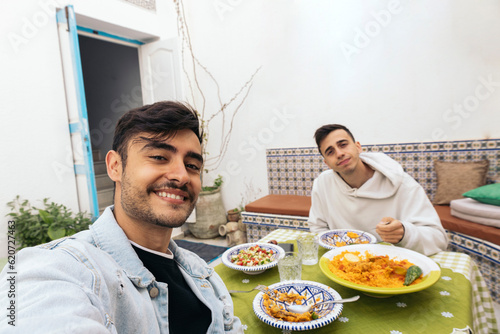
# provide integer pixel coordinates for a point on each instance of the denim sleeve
(232, 324)
(55, 292)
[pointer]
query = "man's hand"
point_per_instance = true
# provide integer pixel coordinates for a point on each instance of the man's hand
(390, 230)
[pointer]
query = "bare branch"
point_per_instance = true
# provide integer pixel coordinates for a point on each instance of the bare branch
(224, 111)
(186, 39)
(225, 144)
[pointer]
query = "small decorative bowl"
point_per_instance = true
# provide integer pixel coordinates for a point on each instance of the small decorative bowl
(314, 292)
(253, 270)
(329, 239)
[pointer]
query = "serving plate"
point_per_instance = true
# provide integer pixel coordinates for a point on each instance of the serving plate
(314, 292)
(431, 271)
(328, 239)
(277, 250)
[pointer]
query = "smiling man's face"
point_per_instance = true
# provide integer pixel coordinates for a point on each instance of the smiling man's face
(340, 152)
(161, 180)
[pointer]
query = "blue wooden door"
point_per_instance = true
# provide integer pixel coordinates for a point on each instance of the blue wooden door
(77, 111)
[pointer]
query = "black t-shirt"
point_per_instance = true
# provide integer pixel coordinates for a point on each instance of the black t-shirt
(186, 313)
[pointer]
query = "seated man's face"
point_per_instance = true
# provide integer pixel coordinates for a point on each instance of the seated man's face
(161, 180)
(340, 152)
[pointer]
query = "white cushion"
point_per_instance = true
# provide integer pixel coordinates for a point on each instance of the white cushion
(476, 212)
(472, 207)
(475, 219)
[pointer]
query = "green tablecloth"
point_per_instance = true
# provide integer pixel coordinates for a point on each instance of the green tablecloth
(458, 300)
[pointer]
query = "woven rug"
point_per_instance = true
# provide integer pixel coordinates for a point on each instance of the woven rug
(207, 252)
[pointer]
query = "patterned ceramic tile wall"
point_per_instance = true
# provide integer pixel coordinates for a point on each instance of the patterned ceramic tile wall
(292, 171)
(486, 256)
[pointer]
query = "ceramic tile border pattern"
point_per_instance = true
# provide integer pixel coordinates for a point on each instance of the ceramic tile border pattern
(486, 256)
(291, 171)
(260, 224)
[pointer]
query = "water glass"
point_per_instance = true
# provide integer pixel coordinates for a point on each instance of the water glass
(290, 267)
(308, 248)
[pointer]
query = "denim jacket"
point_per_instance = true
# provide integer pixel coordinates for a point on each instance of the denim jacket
(94, 282)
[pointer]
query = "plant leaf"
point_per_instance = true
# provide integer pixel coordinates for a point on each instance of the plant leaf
(46, 217)
(56, 233)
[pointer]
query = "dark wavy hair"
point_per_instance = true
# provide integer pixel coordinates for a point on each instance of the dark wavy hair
(161, 120)
(325, 130)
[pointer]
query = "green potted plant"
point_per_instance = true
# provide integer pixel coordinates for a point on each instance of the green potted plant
(36, 226)
(216, 185)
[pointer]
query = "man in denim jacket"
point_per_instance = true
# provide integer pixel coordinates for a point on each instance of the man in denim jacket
(125, 274)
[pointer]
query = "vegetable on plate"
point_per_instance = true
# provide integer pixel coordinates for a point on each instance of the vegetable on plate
(253, 256)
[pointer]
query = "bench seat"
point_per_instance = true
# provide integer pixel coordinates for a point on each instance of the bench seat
(480, 231)
(288, 205)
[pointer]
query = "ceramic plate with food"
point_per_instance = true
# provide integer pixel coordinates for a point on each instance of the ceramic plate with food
(270, 308)
(397, 259)
(252, 258)
(344, 237)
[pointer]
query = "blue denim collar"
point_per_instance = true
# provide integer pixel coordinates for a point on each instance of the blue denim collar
(190, 262)
(109, 237)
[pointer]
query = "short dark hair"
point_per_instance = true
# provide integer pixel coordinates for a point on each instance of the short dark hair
(325, 130)
(162, 120)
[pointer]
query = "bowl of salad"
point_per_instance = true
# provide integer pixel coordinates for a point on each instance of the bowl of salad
(253, 258)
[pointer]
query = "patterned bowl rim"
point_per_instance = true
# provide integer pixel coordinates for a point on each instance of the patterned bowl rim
(226, 257)
(334, 313)
(372, 239)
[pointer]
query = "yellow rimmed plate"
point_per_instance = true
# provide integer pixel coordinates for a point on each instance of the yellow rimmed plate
(431, 271)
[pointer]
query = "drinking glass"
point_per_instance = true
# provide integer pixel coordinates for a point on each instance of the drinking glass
(308, 248)
(290, 267)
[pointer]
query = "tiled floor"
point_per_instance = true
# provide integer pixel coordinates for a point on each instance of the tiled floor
(221, 241)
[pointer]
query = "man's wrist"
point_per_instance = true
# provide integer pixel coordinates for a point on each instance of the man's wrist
(404, 231)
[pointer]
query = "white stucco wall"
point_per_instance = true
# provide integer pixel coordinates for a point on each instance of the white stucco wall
(34, 137)
(391, 71)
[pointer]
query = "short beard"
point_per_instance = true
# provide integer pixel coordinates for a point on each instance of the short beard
(135, 206)
(150, 218)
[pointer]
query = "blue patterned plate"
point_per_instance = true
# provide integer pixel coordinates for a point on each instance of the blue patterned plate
(314, 292)
(253, 270)
(330, 238)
